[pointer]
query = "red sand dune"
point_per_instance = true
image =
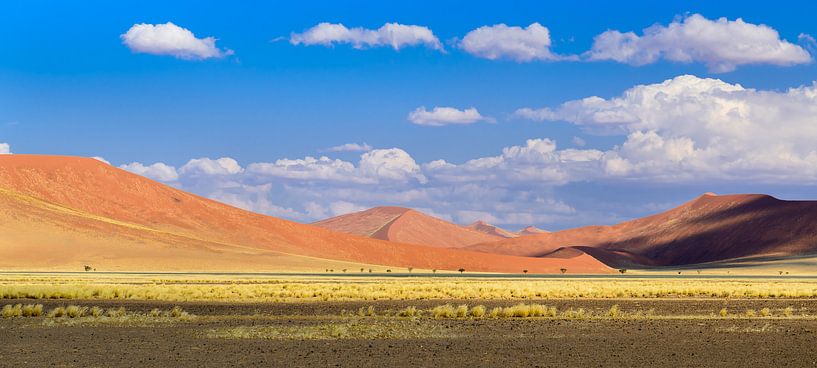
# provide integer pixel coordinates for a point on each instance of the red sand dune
(405, 225)
(489, 229)
(708, 228)
(531, 230)
(61, 212)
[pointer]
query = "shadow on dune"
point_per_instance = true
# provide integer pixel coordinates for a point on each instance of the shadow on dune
(702, 232)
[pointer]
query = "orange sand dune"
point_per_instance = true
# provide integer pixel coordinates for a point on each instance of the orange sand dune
(59, 213)
(405, 226)
(531, 230)
(489, 229)
(709, 228)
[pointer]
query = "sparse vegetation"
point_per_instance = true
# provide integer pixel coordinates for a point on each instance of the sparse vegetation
(409, 311)
(403, 289)
(444, 311)
(478, 311)
(723, 312)
(765, 312)
(10, 311)
(563, 270)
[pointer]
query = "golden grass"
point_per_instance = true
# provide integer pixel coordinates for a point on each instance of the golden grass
(361, 289)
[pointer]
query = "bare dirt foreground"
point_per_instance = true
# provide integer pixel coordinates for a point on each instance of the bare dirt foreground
(647, 333)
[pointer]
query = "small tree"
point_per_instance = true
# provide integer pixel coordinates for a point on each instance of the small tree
(434, 270)
(563, 270)
(370, 270)
(344, 270)
(778, 272)
(88, 268)
(361, 269)
(388, 270)
(461, 270)
(524, 271)
(410, 269)
(622, 271)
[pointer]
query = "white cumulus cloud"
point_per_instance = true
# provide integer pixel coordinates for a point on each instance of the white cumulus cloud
(5, 149)
(350, 147)
(690, 127)
(722, 45)
(207, 166)
(501, 41)
(170, 39)
(392, 35)
(158, 171)
(440, 116)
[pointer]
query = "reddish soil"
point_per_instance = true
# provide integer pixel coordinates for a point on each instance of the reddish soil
(709, 228)
(62, 212)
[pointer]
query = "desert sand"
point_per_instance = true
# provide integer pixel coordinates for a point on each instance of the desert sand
(61, 212)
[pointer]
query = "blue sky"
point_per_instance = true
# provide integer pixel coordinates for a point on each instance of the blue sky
(70, 85)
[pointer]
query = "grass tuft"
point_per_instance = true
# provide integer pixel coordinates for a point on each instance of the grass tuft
(409, 311)
(478, 311)
(444, 311)
(723, 312)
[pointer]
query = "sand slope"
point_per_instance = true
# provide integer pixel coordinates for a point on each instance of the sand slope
(531, 230)
(406, 226)
(62, 212)
(489, 229)
(707, 229)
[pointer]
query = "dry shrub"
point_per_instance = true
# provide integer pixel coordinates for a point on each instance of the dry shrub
(155, 312)
(409, 311)
(96, 312)
(478, 311)
(765, 312)
(723, 312)
(788, 312)
(444, 311)
(118, 312)
(31, 310)
(496, 312)
(614, 312)
(74, 311)
(178, 312)
(462, 311)
(57, 312)
(750, 313)
(10, 311)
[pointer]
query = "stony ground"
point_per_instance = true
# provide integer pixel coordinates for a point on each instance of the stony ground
(682, 333)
